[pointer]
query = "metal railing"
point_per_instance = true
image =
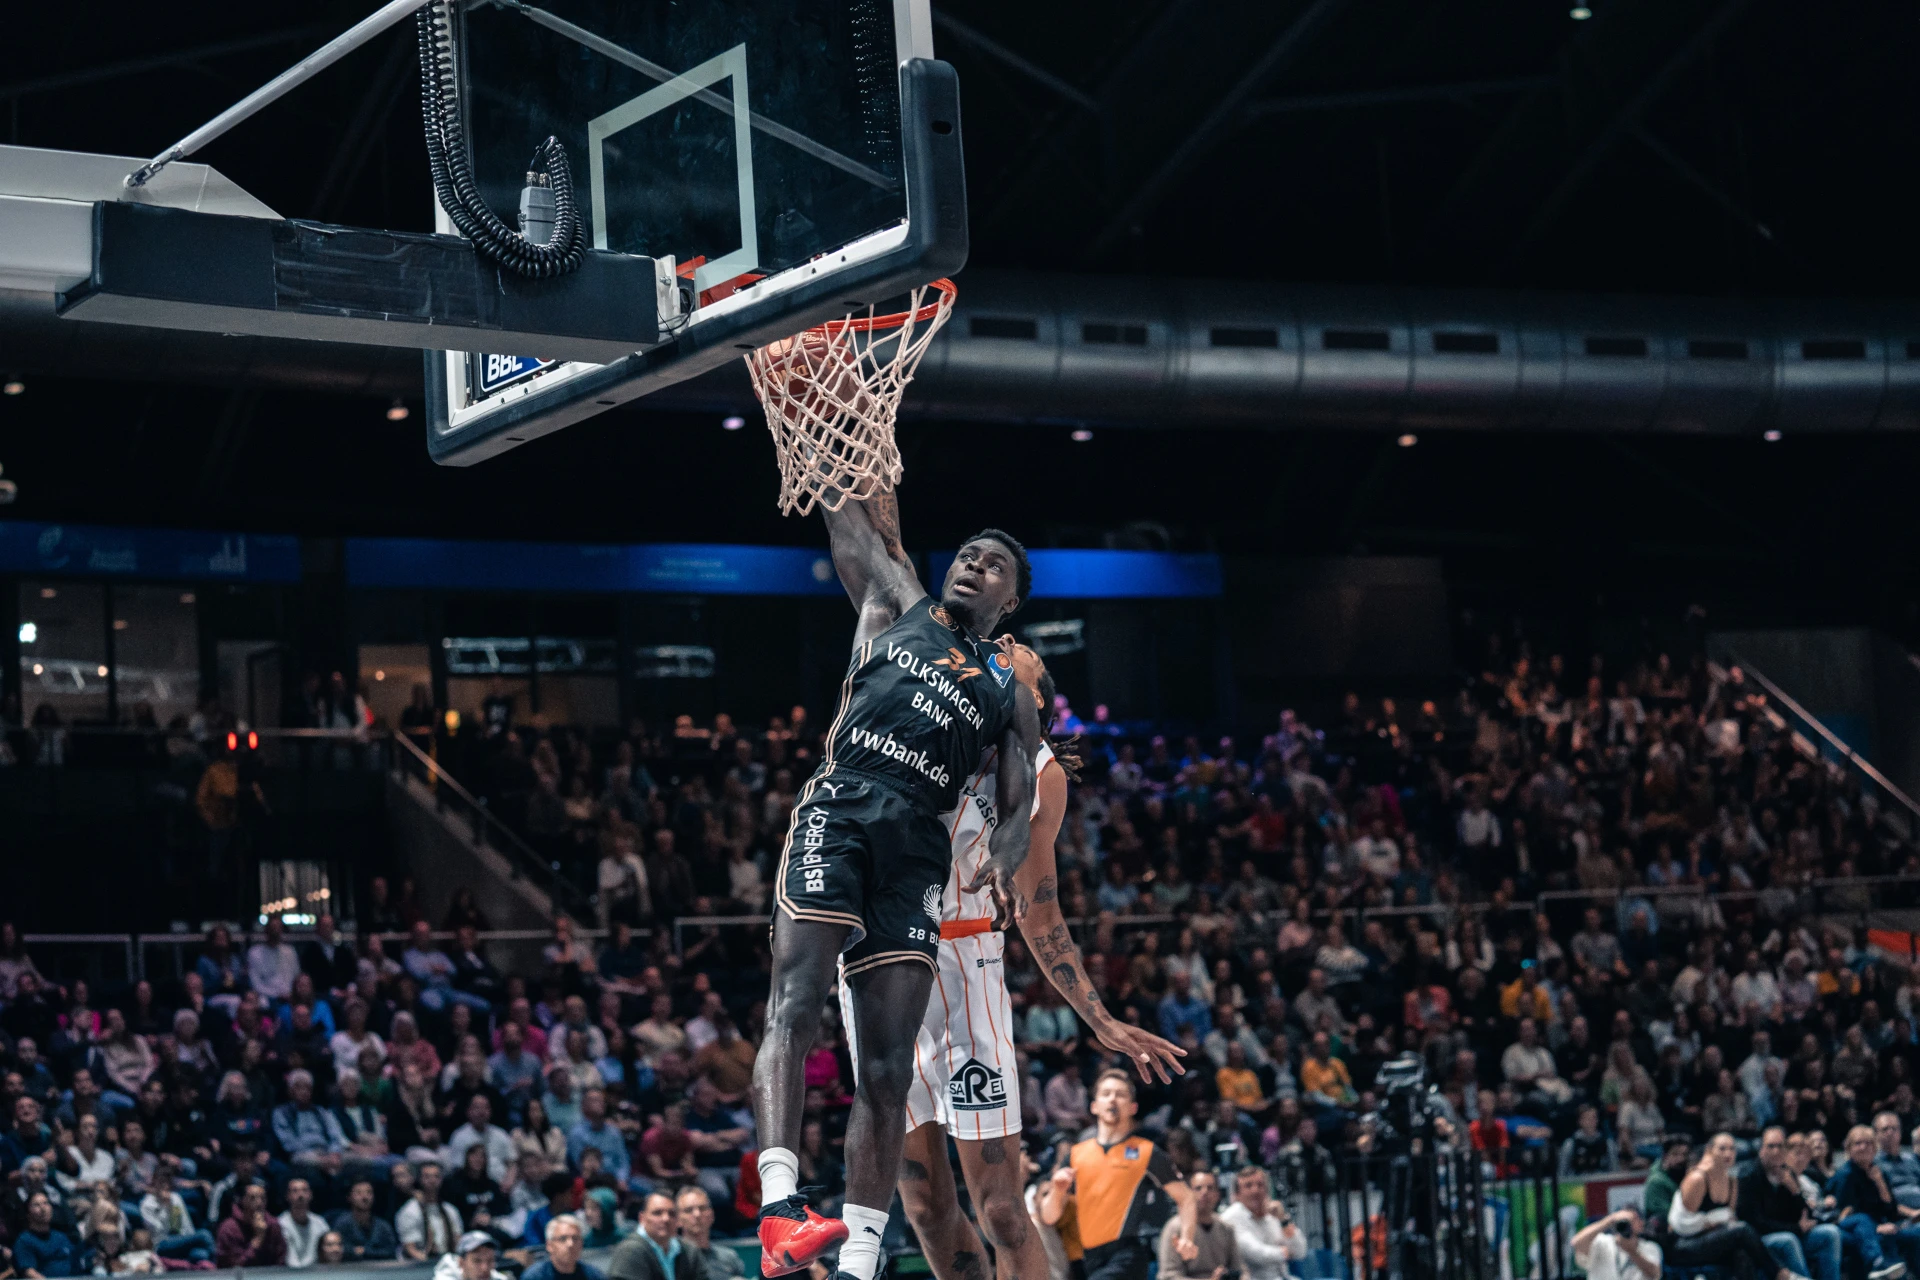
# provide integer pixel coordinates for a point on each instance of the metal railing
(1077, 924)
(162, 956)
(1809, 728)
(488, 830)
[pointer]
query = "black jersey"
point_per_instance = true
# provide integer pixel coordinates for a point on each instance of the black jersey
(921, 702)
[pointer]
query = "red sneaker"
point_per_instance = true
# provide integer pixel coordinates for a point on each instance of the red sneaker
(792, 1235)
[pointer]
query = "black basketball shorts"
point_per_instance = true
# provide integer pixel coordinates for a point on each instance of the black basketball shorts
(859, 853)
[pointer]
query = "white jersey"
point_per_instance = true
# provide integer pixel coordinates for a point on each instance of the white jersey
(970, 824)
(964, 1073)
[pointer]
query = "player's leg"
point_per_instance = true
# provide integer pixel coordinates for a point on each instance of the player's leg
(791, 1234)
(932, 1203)
(888, 1001)
(992, 1167)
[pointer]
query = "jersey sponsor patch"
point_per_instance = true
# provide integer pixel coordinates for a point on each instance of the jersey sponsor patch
(977, 1087)
(1001, 667)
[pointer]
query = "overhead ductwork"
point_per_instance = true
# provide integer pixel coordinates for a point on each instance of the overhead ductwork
(1147, 352)
(1153, 352)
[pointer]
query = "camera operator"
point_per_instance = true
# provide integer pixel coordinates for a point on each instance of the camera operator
(1213, 1254)
(1614, 1249)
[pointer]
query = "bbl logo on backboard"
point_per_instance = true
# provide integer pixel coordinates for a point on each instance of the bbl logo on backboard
(976, 1087)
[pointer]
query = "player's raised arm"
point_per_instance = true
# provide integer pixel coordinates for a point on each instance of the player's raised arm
(871, 561)
(1045, 929)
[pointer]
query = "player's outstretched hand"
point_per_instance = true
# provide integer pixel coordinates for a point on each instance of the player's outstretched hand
(1149, 1054)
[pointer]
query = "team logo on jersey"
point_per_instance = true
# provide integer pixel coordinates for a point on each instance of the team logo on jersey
(956, 662)
(1133, 1153)
(930, 903)
(1002, 668)
(940, 615)
(976, 1087)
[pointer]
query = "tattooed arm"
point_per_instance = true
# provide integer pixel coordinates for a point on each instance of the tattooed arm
(872, 563)
(1058, 956)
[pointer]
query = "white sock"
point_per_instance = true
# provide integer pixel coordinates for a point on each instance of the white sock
(860, 1255)
(779, 1174)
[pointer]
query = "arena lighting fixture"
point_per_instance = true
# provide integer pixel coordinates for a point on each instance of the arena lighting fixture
(379, 675)
(101, 671)
(397, 411)
(29, 633)
(119, 624)
(1408, 440)
(1772, 435)
(187, 597)
(48, 593)
(38, 669)
(1580, 13)
(13, 387)
(733, 423)
(1081, 435)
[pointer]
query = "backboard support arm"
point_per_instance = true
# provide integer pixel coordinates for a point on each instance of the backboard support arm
(298, 74)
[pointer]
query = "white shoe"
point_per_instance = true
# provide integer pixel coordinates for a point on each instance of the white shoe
(1888, 1271)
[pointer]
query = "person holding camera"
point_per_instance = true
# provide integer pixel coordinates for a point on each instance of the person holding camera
(1613, 1248)
(1263, 1232)
(1213, 1254)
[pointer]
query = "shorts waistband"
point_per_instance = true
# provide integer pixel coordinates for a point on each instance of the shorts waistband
(905, 788)
(952, 929)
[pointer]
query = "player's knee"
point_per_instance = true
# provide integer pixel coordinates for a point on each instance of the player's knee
(1005, 1218)
(922, 1207)
(797, 1000)
(885, 1077)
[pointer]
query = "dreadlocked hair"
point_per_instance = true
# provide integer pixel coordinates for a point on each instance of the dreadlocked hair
(1065, 750)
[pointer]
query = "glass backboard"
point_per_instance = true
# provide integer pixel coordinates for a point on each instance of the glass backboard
(792, 158)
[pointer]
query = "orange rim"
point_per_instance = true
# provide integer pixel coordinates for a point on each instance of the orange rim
(948, 291)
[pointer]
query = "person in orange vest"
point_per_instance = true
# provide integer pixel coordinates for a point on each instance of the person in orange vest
(1122, 1188)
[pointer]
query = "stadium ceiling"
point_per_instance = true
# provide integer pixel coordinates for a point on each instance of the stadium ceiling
(1749, 147)
(1730, 149)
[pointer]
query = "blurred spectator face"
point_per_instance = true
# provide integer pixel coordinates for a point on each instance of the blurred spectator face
(1250, 1189)
(1860, 1146)
(333, 1250)
(299, 1196)
(360, 1198)
(430, 1180)
(564, 1243)
(1206, 1193)
(657, 1218)
(1886, 1131)
(477, 1264)
(480, 1112)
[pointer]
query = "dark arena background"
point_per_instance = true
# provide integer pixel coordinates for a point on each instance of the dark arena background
(1468, 455)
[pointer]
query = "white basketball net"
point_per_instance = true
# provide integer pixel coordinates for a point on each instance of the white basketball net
(831, 395)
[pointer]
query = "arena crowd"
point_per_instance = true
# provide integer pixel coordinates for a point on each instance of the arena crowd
(1294, 912)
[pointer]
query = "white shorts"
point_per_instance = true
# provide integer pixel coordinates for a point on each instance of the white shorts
(964, 1072)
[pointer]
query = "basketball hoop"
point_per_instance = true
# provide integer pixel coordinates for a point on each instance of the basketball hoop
(831, 394)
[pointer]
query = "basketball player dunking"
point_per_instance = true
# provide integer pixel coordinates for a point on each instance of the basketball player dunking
(868, 856)
(965, 1080)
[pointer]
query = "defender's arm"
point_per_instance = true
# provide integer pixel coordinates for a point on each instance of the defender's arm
(1045, 930)
(871, 562)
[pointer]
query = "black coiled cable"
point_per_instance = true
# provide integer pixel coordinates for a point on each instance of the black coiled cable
(453, 181)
